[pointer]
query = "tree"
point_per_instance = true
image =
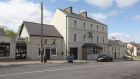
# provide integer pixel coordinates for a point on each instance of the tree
(10, 33)
(131, 49)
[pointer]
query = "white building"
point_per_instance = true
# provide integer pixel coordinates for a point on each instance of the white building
(136, 48)
(52, 40)
(83, 36)
(117, 49)
(7, 46)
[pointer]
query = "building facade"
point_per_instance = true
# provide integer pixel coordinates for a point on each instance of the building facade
(117, 49)
(7, 46)
(52, 40)
(135, 48)
(83, 36)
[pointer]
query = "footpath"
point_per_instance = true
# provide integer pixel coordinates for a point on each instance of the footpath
(28, 62)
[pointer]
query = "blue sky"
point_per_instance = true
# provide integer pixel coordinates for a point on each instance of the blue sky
(121, 16)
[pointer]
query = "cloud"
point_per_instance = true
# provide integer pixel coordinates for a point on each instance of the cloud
(98, 16)
(100, 3)
(13, 12)
(137, 17)
(125, 37)
(125, 3)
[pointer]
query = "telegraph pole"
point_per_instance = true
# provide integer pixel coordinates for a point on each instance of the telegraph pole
(41, 45)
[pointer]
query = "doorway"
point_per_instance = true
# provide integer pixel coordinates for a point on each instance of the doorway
(74, 52)
(47, 52)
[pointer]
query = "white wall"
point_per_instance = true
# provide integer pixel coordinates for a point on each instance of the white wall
(59, 21)
(33, 47)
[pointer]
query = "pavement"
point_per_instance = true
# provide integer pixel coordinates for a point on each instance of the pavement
(90, 70)
(28, 62)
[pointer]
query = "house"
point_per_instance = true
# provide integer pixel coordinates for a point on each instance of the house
(135, 48)
(52, 41)
(117, 49)
(83, 36)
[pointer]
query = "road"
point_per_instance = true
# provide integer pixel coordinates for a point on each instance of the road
(91, 70)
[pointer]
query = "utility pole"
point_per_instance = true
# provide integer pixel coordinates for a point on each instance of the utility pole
(41, 35)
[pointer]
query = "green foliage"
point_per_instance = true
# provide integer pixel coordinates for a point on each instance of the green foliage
(10, 33)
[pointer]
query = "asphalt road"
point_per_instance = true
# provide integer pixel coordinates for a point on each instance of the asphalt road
(91, 70)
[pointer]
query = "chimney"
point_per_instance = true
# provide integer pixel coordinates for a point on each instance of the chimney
(83, 13)
(69, 9)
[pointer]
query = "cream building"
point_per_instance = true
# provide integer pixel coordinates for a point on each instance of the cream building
(117, 49)
(136, 48)
(52, 40)
(7, 46)
(83, 36)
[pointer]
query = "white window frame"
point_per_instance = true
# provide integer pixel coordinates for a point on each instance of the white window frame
(55, 51)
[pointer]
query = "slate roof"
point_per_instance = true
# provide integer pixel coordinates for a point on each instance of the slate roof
(34, 29)
(2, 33)
(81, 17)
(135, 44)
(115, 42)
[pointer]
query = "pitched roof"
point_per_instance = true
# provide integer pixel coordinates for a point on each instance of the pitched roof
(34, 29)
(81, 17)
(135, 44)
(115, 42)
(2, 33)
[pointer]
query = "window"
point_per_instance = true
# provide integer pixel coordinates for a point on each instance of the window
(53, 41)
(92, 50)
(4, 49)
(84, 25)
(91, 26)
(45, 41)
(75, 37)
(103, 29)
(75, 23)
(97, 39)
(53, 51)
(97, 28)
(103, 39)
(84, 38)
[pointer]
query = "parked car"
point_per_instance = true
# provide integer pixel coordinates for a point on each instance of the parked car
(104, 58)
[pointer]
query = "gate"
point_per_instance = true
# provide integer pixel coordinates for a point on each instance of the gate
(21, 50)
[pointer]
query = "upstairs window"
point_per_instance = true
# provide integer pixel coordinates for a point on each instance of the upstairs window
(91, 26)
(97, 39)
(84, 38)
(75, 37)
(103, 39)
(97, 28)
(75, 23)
(54, 41)
(103, 29)
(45, 41)
(84, 24)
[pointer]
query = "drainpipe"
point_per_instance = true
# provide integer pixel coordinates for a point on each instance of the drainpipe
(66, 38)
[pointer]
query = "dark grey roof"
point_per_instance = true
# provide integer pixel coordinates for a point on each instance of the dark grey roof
(2, 33)
(81, 17)
(34, 29)
(115, 42)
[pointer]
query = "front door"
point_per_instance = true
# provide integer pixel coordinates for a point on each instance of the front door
(47, 53)
(73, 51)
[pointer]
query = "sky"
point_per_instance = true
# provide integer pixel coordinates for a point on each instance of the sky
(121, 16)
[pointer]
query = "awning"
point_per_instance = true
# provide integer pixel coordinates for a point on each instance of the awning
(86, 45)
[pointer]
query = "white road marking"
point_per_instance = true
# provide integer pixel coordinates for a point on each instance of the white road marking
(55, 70)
